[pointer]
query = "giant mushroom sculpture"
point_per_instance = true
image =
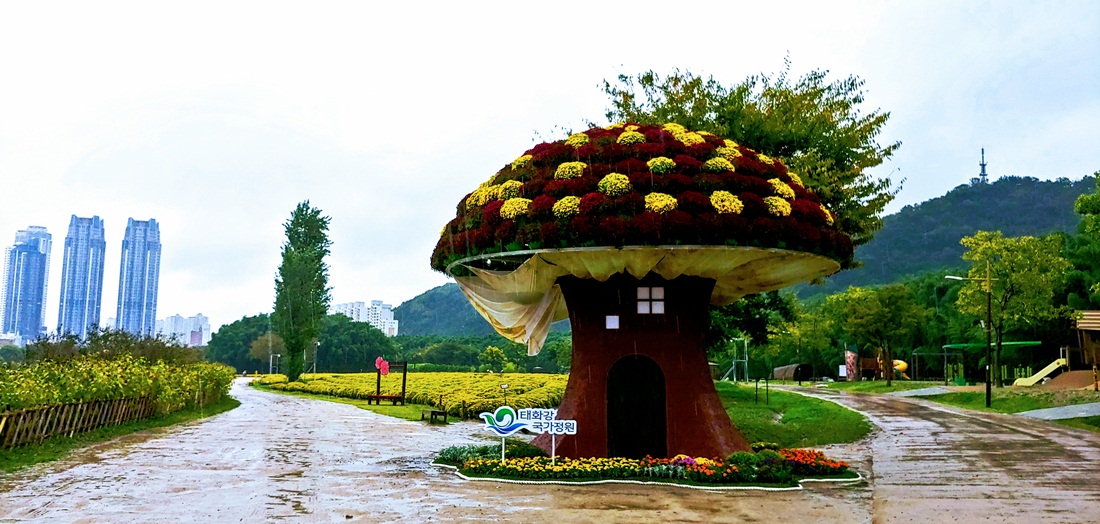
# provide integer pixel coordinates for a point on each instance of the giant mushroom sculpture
(630, 231)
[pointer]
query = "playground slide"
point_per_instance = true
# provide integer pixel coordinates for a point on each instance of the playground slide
(1034, 379)
(900, 366)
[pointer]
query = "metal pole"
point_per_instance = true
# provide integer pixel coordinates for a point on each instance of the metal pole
(988, 337)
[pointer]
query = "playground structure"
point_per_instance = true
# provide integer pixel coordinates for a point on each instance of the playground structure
(874, 368)
(1058, 364)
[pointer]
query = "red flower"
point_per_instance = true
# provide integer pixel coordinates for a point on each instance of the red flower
(644, 227)
(585, 228)
(613, 230)
(808, 212)
(630, 166)
(687, 165)
(491, 214)
(754, 204)
(648, 149)
(506, 231)
(592, 203)
(679, 224)
(549, 233)
(693, 202)
(631, 203)
(542, 206)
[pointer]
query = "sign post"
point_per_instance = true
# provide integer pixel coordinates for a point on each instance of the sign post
(506, 421)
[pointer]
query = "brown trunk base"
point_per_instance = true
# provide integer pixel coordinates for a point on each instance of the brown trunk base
(644, 387)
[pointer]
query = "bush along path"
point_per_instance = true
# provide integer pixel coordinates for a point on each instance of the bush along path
(63, 397)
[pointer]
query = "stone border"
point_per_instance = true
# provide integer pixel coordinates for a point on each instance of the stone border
(799, 487)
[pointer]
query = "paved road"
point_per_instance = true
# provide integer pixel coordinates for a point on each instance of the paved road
(280, 458)
(935, 463)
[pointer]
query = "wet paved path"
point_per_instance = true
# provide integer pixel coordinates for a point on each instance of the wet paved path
(936, 463)
(286, 459)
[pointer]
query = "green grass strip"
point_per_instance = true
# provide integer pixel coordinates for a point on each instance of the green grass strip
(789, 419)
(58, 447)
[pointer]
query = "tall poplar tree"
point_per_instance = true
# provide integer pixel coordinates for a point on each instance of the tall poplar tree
(302, 295)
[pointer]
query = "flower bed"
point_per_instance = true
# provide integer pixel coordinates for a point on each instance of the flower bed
(641, 185)
(88, 378)
(480, 391)
(783, 468)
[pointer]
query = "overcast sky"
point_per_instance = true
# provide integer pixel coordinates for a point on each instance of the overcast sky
(216, 118)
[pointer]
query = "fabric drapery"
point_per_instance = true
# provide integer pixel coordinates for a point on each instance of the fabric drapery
(522, 303)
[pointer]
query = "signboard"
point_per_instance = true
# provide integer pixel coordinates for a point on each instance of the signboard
(506, 421)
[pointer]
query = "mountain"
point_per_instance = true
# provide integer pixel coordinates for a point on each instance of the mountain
(918, 239)
(444, 310)
(925, 237)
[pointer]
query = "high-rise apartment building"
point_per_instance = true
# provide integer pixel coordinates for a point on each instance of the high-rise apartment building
(378, 315)
(138, 278)
(26, 273)
(192, 331)
(81, 276)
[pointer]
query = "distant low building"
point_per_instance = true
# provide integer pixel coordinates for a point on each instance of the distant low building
(377, 314)
(10, 339)
(192, 331)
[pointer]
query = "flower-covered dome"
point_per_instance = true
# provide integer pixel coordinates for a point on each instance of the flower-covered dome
(641, 185)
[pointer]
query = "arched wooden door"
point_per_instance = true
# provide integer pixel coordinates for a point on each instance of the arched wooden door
(636, 424)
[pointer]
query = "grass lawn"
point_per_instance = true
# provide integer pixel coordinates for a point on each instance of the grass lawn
(1089, 423)
(1017, 399)
(789, 419)
(406, 412)
(55, 448)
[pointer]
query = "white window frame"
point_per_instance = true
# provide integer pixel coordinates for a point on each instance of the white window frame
(651, 300)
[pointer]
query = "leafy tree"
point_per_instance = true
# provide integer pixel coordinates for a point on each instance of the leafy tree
(885, 318)
(492, 359)
(347, 346)
(814, 125)
(231, 343)
(449, 352)
(301, 287)
(265, 346)
(11, 354)
(1025, 273)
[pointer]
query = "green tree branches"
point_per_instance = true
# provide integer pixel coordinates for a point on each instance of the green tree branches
(815, 126)
(301, 286)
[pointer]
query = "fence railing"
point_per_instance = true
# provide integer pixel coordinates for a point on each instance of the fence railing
(33, 425)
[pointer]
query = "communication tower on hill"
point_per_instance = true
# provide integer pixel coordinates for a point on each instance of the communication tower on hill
(983, 177)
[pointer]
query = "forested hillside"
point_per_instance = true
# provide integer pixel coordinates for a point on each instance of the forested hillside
(445, 311)
(925, 237)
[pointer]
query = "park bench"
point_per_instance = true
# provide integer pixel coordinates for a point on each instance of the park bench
(377, 399)
(434, 414)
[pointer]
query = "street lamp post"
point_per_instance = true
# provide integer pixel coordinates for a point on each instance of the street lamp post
(988, 282)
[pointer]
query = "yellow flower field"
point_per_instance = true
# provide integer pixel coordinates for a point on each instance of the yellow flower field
(480, 391)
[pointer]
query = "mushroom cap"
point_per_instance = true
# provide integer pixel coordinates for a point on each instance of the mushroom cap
(638, 185)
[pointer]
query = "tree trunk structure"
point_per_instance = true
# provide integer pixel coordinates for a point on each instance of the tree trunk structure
(639, 382)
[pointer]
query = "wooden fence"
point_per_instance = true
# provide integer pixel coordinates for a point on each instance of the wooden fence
(33, 425)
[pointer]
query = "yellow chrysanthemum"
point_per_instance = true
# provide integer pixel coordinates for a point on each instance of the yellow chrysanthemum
(616, 125)
(567, 207)
(482, 195)
(705, 133)
(781, 188)
(796, 179)
(828, 215)
(729, 153)
(689, 138)
(660, 202)
(777, 206)
(509, 189)
(631, 137)
(521, 161)
(661, 165)
(576, 140)
(717, 165)
(514, 207)
(765, 159)
(569, 170)
(730, 143)
(615, 184)
(674, 128)
(631, 127)
(726, 202)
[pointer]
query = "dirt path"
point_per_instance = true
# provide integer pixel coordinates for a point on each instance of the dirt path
(280, 458)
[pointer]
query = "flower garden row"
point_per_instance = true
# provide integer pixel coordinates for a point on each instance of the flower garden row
(479, 391)
(641, 185)
(783, 467)
(88, 378)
